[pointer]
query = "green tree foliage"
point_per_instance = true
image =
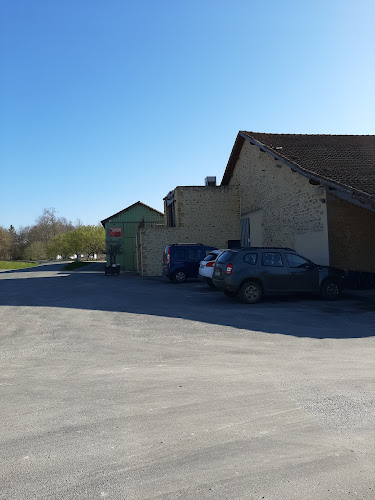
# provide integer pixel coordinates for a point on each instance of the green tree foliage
(35, 251)
(93, 240)
(58, 245)
(87, 240)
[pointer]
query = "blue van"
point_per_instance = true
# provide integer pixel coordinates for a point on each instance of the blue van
(181, 260)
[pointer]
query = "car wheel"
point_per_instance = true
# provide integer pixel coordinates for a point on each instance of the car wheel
(179, 277)
(228, 293)
(250, 292)
(210, 283)
(330, 289)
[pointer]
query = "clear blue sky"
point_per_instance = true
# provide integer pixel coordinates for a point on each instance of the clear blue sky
(104, 103)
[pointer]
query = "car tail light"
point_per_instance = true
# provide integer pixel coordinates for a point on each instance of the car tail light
(169, 255)
(229, 268)
(210, 264)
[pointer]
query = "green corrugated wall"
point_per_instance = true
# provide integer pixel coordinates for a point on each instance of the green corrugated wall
(129, 221)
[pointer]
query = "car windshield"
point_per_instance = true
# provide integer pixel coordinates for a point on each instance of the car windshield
(224, 257)
(210, 257)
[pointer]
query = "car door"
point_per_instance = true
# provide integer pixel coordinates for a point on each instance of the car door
(274, 272)
(178, 258)
(304, 275)
(194, 257)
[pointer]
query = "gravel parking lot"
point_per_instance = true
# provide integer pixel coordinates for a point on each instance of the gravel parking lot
(135, 388)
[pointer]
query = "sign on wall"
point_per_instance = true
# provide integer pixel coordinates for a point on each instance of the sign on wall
(115, 232)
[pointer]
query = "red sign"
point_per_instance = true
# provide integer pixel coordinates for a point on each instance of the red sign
(115, 232)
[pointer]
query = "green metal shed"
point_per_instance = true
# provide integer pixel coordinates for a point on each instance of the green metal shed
(124, 225)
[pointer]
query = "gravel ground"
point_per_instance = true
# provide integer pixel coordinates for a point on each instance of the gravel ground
(134, 388)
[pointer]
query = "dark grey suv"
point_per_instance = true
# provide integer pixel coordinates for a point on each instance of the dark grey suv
(254, 272)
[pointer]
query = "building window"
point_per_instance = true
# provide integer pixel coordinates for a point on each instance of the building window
(171, 218)
(245, 232)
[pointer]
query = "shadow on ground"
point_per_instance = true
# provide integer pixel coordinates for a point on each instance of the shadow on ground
(87, 288)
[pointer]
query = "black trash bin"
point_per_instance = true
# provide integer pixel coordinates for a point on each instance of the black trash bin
(113, 270)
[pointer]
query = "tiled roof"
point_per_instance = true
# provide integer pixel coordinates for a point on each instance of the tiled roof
(344, 161)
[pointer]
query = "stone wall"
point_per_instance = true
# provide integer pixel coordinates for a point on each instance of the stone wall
(207, 215)
(283, 207)
(351, 235)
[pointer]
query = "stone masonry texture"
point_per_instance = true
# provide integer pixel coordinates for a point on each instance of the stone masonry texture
(291, 205)
(207, 215)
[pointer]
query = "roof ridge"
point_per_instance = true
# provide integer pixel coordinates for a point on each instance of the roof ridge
(306, 135)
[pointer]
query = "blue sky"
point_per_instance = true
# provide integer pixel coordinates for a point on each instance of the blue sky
(104, 103)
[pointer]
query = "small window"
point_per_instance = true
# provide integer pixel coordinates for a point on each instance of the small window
(297, 261)
(272, 259)
(251, 258)
(210, 257)
(194, 254)
(179, 254)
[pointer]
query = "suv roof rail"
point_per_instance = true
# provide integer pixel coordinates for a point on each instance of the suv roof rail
(269, 248)
(176, 244)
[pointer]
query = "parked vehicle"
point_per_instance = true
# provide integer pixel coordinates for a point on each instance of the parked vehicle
(253, 272)
(206, 267)
(181, 260)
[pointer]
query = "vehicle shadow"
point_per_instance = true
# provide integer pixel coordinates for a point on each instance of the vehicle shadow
(88, 289)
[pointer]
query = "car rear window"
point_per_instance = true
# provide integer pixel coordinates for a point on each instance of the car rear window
(224, 257)
(210, 257)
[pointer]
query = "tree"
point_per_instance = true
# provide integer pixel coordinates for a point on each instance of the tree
(58, 245)
(48, 225)
(35, 251)
(5, 243)
(13, 247)
(93, 239)
(113, 250)
(75, 242)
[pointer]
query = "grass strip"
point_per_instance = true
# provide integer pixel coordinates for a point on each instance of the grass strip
(17, 264)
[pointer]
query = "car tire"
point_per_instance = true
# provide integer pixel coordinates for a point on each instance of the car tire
(250, 292)
(330, 289)
(179, 277)
(228, 293)
(210, 283)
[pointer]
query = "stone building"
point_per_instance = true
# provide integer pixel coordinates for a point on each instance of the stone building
(192, 214)
(313, 193)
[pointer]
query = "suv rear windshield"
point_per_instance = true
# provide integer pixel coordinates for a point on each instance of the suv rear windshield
(210, 257)
(224, 257)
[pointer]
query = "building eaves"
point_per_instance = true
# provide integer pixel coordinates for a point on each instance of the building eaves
(128, 208)
(341, 162)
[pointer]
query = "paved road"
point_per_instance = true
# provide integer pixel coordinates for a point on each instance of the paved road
(133, 388)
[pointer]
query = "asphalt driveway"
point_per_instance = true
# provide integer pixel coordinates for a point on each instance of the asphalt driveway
(134, 388)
